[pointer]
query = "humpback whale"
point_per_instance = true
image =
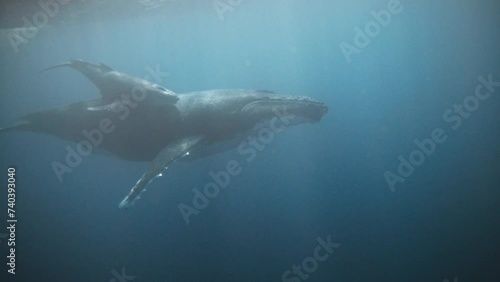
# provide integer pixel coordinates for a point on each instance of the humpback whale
(162, 132)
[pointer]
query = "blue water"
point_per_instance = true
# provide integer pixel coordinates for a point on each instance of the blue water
(313, 180)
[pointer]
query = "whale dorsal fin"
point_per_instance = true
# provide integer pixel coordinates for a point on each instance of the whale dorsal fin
(105, 67)
(168, 155)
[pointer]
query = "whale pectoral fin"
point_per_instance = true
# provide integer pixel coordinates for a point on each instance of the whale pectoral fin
(105, 68)
(168, 155)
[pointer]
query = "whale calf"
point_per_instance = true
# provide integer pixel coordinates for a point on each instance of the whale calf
(161, 132)
(113, 84)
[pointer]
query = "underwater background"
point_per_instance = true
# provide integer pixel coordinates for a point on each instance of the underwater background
(311, 183)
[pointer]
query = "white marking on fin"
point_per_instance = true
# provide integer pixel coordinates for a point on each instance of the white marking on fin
(168, 155)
